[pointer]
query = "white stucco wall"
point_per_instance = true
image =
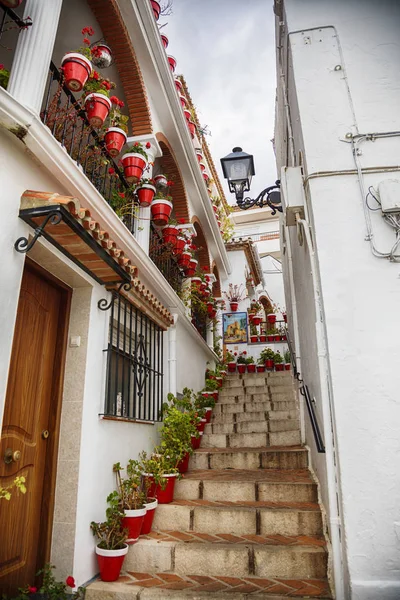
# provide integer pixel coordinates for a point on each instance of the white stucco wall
(355, 285)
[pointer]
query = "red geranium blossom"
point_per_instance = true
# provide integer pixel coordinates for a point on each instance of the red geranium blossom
(32, 589)
(95, 75)
(88, 31)
(86, 41)
(169, 183)
(1, 67)
(148, 145)
(111, 170)
(106, 85)
(114, 100)
(70, 581)
(181, 221)
(121, 194)
(122, 104)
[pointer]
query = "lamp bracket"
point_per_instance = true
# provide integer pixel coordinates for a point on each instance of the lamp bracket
(263, 199)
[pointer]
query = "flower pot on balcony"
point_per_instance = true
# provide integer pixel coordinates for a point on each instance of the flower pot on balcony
(192, 128)
(251, 368)
(165, 41)
(212, 314)
(97, 107)
(187, 114)
(161, 211)
(287, 366)
(184, 260)
(196, 441)
(284, 315)
(161, 181)
(196, 282)
(232, 367)
(180, 243)
(269, 365)
(260, 368)
(219, 223)
(271, 319)
(270, 338)
(183, 101)
(145, 194)
(256, 320)
(156, 9)
(253, 339)
(202, 167)
(183, 464)
(76, 69)
(199, 155)
(134, 165)
(277, 338)
(241, 368)
(110, 562)
(115, 138)
(133, 521)
(169, 233)
(172, 63)
(263, 338)
(206, 176)
(215, 208)
(178, 85)
(234, 306)
(283, 338)
(191, 268)
(151, 506)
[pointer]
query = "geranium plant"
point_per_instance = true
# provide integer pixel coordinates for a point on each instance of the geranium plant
(50, 588)
(137, 148)
(235, 293)
(116, 118)
(110, 534)
(96, 84)
(130, 492)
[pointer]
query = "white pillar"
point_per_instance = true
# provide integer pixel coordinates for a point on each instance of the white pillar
(172, 357)
(33, 53)
(143, 228)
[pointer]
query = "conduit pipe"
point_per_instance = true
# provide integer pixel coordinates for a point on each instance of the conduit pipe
(172, 357)
(327, 417)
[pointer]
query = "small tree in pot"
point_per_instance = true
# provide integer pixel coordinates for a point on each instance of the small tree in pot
(268, 355)
(131, 499)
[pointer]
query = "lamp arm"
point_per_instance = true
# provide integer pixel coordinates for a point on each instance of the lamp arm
(261, 200)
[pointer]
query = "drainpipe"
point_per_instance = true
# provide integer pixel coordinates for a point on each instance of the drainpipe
(172, 357)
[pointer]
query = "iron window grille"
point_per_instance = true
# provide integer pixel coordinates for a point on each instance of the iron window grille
(134, 384)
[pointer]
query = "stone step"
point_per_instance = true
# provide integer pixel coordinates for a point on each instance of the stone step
(254, 407)
(230, 559)
(271, 375)
(264, 397)
(250, 458)
(257, 426)
(164, 586)
(251, 440)
(261, 387)
(257, 485)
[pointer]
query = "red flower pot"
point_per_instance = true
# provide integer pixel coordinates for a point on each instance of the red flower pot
(234, 306)
(184, 259)
(165, 41)
(192, 128)
(232, 367)
(287, 366)
(206, 176)
(161, 211)
(146, 194)
(191, 268)
(183, 464)
(220, 381)
(284, 317)
(196, 441)
(169, 233)
(183, 101)
(277, 338)
(115, 138)
(241, 368)
(134, 165)
(110, 562)
(203, 168)
(201, 425)
(254, 338)
(11, 3)
(283, 338)
(76, 69)
(260, 368)
(280, 367)
(269, 364)
(151, 506)
(156, 9)
(179, 245)
(251, 317)
(263, 338)
(97, 107)
(271, 319)
(251, 368)
(215, 395)
(166, 495)
(196, 282)
(199, 155)
(256, 320)
(133, 521)
(270, 338)
(178, 85)
(215, 208)
(212, 314)
(172, 63)
(208, 414)
(187, 114)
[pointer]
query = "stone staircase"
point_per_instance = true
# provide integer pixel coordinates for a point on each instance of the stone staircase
(245, 521)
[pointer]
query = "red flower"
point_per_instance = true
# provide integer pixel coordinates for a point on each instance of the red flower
(181, 221)
(1, 67)
(114, 100)
(148, 145)
(106, 85)
(32, 589)
(244, 352)
(122, 104)
(86, 41)
(70, 581)
(169, 183)
(235, 354)
(96, 51)
(88, 31)
(136, 144)
(111, 171)
(121, 194)
(95, 75)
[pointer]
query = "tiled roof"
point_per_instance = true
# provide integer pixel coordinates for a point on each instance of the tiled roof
(251, 255)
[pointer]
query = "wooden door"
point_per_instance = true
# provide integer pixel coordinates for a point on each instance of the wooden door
(30, 427)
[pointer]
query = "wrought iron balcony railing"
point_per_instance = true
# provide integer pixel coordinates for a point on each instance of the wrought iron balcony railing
(165, 261)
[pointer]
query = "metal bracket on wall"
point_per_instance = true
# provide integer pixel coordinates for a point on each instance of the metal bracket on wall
(104, 304)
(23, 245)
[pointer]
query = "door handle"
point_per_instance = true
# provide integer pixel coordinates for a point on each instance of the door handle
(11, 456)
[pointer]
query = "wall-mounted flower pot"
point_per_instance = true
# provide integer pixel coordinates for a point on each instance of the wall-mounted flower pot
(208, 413)
(262, 338)
(169, 233)
(192, 128)
(284, 315)
(232, 367)
(184, 259)
(165, 41)
(234, 306)
(270, 338)
(283, 338)
(110, 562)
(206, 176)
(251, 316)
(187, 114)
(260, 368)
(161, 211)
(196, 282)
(212, 314)
(97, 107)
(251, 368)
(196, 441)
(115, 138)
(183, 101)
(103, 57)
(202, 167)
(133, 521)
(161, 181)
(241, 368)
(215, 208)
(134, 165)
(219, 223)
(180, 244)
(151, 506)
(156, 9)
(191, 268)
(254, 339)
(172, 63)
(145, 194)
(271, 319)
(287, 366)
(178, 85)
(280, 367)
(256, 320)
(76, 69)
(199, 155)
(183, 464)
(277, 338)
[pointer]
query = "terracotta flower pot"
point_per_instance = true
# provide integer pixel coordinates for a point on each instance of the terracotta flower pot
(271, 319)
(179, 244)
(270, 338)
(184, 259)
(280, 367)
(260, 368)
(269, 364)
(146, 194)
(183, 101)
(156, 9)
(241, 368)
(165, 41)
(166, 495)
(256, 320)
(287, 366)
(232, 367)
(234, 306)
(169, 233)
(178, 85)
(192, 128)
(133, 521)
(151, 506)
(161, 211)
(115, 139)
(134, 165)
(187, 114)
(199, 155)
(110, 562)
(196, 441)
(277, 338)
(172, 63)
(191, 268)
(208, 414)
(251, 368)
(76, 70)
(262, 338)
(161, 181)
(254, 339)
(97, 107)
(183, 464)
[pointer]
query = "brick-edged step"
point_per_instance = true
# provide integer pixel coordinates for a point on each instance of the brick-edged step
(251, 486)
(250, 458)
(260, 426)
(251, 440)
(262, 415)
(257, 407)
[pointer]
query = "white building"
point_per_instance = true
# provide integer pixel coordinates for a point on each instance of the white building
(337, 142)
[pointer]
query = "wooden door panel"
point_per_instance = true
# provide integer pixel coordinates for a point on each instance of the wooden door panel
(29, 405)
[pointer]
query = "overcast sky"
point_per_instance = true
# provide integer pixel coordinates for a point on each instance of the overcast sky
(226, 51)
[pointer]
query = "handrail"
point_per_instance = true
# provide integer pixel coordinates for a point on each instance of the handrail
(292, 356)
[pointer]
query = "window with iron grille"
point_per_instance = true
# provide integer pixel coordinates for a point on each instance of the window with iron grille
(134, 384)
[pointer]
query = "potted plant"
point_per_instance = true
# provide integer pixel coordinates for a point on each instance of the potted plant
(170, 234)
(96, 98)
(284, 315)
(131, 499)
(271, 334)
(267, 356)
(76, 66)
(231, 361)
(278, 360)
(116, 134)
(253, 333)
(161, 181)
(145, 192)
(161, 208)
(241, 362)
(282, 333)
(184, 261)
(192, 128)
(263, 336)
(134, 161)
(50, 588)
(288, 361)
(177, 430)
(271, 318)
(251, 367)
(234, 295)
(260, 365)
(165, 41)
(205, 403)
(111, 548)
(156, 9)
(159, 473)
(191, 268)
(172, 62)
(199, 155)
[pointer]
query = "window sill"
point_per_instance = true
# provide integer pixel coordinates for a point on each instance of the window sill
(127, 420)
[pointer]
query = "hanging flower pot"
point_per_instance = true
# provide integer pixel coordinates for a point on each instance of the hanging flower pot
(169, 233)
(187, 114)
(263, 337)
(199, 155)
(271, 318)
(254, 339)
(277, 337)
(110, 562)
(134, 165)
(145, 194)
(196, 282)
(161, 211)
(191, 268)
(208, 413)
(161, 181)
(97, 107)
(165, 41)
(115, 138)
(241, 368)
(183, 464)
(232, 367)
(215, 208)
(192, 128)
(287, 366)
(178, 85)
(133, 521)
(180, 243)
(260, 368)
(184, 260)
(206, 176)
(172, 63)
(102, 58)
(196, 441)
(256, 320)
(151, 506)
(234, 306)
(76, 69)
(251, 368)
(269, 364)
(202, 167)
(156, 9)
(183, 101)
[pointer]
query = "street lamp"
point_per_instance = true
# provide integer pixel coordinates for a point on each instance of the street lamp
(238, 169)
